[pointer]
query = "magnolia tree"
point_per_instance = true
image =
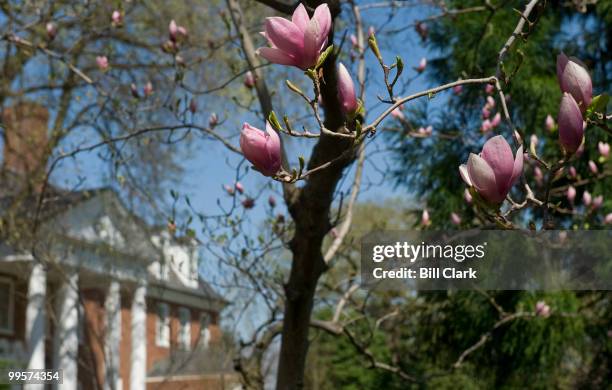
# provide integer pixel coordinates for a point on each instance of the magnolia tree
(152, 84)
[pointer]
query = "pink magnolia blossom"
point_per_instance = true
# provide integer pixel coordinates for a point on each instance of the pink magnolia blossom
(486, 113)
(455, 219)
(397, 113)
(51, 30)
(134, 90)
(489, 89)
(534, 140)
(346, 91)
(425, 131)
(354, 41)
(549, 122)
(542, 309)
(571, 194)
(213, 120)
(422, 29)
(262, 149)
(239, 187)
(102, 63)
(494, 171)
(422, 65)
(148, 89)
(486, 126)
(604, 149)
(175, 32)
(575, 79)
(571, 127)
(457, 89)
(249, 79)
(230, 190)
(496, 120)
(490, 102)
(538, 175)
(572, 172)
(587, 198)
(608, 219)
(425, 221)
(597, 202)
(371, 30)
(117, 18)
(467, 196)
(297, 42)
(593, 167)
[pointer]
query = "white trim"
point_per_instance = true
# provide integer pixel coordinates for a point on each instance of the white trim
(162, 325)
(184, 333)
(11, 307)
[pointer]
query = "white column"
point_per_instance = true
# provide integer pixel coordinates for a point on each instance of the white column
(138, 373)
(66, 340)
(35, 320)
(112, 336)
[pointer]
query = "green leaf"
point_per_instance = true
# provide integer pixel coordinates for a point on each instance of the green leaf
(274, 121)
(294, 87)
(598, 104)
(400, 65)
(323, 56)
(374, 46)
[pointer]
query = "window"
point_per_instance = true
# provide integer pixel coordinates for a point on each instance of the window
(204, 331)
(162, 330)
(184, 335)
(7, 305)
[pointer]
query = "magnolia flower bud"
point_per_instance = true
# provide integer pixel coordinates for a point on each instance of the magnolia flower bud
(490, 102)
(193, 107)
(538, 175)
(425, 221)
(489, 89)
(248, 203)
(587, 198)
(148, 89)
(457, 89)
(213, 120)
(574, 79)
(597, 202)
(572, 172)
(272, 201)
(346, 91)
(494, 171)
(593, 167)
(297, 42)
(467, 196)
(486, 126)
(496, 120)
(230, 190)
(455, 219)
(550, 123)
(608, 219)
(604, 149)
(134, 91)
(51, 30)
(422, 29)
(102, 63)
(542, 309)
(397, 113)
(422, 65)
(486, 113)
(249, 80)
(571, 194)
(571, 128)
(371, 31)
(262, 149)
(354, 41)
(534, 140)
(117, 18)
(239, 187)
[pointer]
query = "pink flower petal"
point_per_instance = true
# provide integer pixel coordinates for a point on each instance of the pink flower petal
(300, 17)
(285, 35)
